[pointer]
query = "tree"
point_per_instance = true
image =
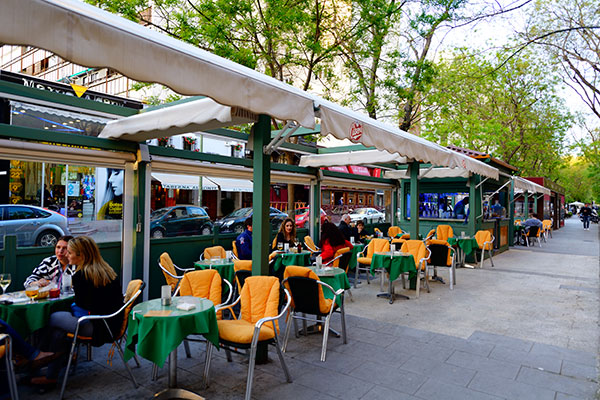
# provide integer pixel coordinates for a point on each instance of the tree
(512, 112)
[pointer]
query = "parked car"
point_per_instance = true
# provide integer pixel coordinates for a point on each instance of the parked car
(367, 215)
(33, 226)
(234, 222)
(181, 220)
(301, 216)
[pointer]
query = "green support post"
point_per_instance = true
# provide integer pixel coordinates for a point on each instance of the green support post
(535, 206)
(474, 204)
(139, 209)
(10, 256)
(260, 198)
(315, 211)
(511, 210)
(394, 219)
(526, 205)
(414, 199)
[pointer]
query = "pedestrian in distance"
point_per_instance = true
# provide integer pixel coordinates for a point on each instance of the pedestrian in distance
(586, 214)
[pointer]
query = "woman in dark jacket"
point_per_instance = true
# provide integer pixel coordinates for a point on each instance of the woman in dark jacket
(286, 234)
(97, 292)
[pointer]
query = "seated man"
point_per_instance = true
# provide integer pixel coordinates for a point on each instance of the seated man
(52, 268)
(345, 227)
(532, 221)
(244, 241)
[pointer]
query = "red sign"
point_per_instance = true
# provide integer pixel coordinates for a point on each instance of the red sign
(338, 169)
(377, 172)
(359, 170)
(356, 131)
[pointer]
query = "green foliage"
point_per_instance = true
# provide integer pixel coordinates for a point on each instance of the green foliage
(579, 180)
(512, 112)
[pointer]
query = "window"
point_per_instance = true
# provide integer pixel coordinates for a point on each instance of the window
(178, 213)
(197, 212)
(20, 213)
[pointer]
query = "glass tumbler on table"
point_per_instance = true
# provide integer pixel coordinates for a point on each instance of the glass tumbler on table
(280, 246)
(4, 282)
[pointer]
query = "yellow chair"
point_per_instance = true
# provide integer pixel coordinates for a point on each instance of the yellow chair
(393, 231)
(444, 232)
(134, 289)
(169, 270)
(375, 246)
(420, 254)
(396, 244)
(214, 251)
(547, 225)
(6, 352)
(430, 235)
(259, 302)
(442, 255)
(307, 298)
(485, 240)
(206, 284)
(310, 244)
(237, 263)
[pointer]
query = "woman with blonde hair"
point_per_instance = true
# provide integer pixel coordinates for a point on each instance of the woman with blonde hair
(286, 234)
(97, 292)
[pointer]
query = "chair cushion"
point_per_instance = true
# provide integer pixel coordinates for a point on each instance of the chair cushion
(482, 237)
(259, 298)
(242, 264)
(241, 331)
(364, 260)
(293, 270)
(167, 263)
(214, 251)
(205, 284)
(417, 249)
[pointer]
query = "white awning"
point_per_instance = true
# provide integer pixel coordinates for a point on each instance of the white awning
(227, 184)
(172, 181)
(358, 128)
(433, 173)
(193, 116)
(89, 36)
(351, 158)
(524, 185)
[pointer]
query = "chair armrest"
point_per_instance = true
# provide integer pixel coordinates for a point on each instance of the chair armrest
(223, 304)
(168, 273)
(262, 321)
(184, 270)
(4, 337)
(333, 259)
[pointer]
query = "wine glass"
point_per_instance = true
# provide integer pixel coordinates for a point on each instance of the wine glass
(32, 292)
(4, 282)
(279, 246)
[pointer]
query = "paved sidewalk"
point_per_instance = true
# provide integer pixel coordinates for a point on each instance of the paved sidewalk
(525, 329)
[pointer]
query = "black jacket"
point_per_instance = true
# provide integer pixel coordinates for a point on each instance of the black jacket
(101, 300)
(345, 229)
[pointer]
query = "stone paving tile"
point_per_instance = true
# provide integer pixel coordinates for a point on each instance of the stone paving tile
(408, 332)
(371, 352)
(435, 390)
(564, 384)
(439, 370)
(580, 371)
(547, 363)
(562, 396)
(369, 336)
(565, 354)
(509, 388)
(393, 378)
(383, 393)
(434, 351)
(335, 384)
(501, 340)
(335, 361)
(483, 364)
(473, 347)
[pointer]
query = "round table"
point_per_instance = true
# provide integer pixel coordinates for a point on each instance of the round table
(26, 317)
(336, 278)
(465, 246)
(395, 264)
(300, 259)
(225, 270)
(156, 337)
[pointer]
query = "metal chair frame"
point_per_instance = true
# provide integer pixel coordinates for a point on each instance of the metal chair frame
(317, 319)
(490, 250)
(526, 235)
(452, 266)
(116, 341)
(10, 371)
(229, 347)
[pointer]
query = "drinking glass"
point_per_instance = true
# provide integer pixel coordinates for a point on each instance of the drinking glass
(352, 239)
(4, 281)
(32, 292)
(286, 247)
(279, 246)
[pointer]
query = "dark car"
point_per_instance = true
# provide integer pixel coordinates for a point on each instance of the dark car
(180, 221)
(234, 222)
(302, 216)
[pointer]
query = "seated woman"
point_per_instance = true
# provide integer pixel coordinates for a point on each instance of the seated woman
(286, 234)
(360, 233)
(332, 240)
(22, 349)
(97, 292)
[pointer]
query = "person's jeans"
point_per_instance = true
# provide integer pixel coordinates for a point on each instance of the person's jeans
(20, 346)
(586, 222)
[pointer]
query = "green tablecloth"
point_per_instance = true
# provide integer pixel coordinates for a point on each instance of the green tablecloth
(355, 250)
(27, 318)
(336, 278)
(467, 244)
(226, 271)
(395, 265)
(156, 337)
(299, 259)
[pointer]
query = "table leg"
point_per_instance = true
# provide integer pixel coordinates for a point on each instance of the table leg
(391, 294)
(173, 392)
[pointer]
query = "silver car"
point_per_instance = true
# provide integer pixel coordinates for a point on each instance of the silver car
(367, 215)
(33, 226)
